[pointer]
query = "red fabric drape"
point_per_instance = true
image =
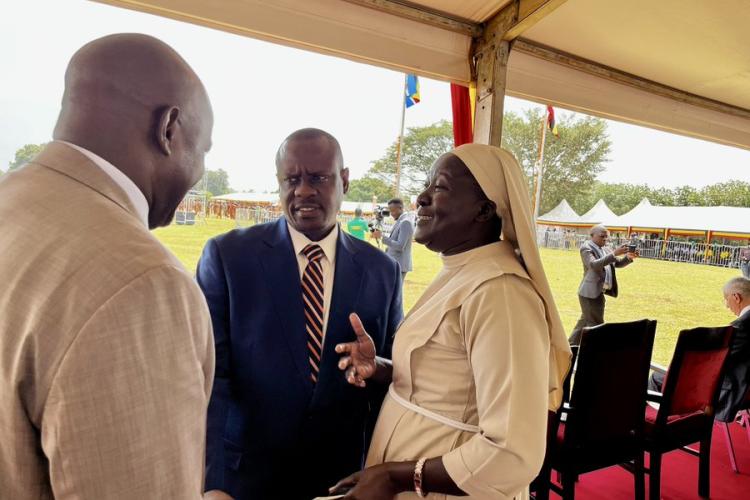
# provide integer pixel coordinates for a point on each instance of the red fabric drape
(462, 126)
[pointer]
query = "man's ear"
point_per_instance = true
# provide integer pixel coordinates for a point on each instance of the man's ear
(166, 128)
(345, 179)
(487, 211)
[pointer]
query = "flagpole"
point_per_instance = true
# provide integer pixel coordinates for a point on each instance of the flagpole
(540, 167)
(400, 145)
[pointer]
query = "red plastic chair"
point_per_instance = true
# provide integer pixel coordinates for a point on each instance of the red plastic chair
(687, 403)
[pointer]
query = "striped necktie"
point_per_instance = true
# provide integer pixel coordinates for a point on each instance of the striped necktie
(312, 296)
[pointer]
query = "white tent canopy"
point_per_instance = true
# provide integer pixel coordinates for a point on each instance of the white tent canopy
(600, 213)
(562, 213)
(725, 220)
(674, 65)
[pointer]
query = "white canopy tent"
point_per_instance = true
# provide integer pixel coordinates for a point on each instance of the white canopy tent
(600, 213)
(675, 65)
(728, 222)
(562, 214)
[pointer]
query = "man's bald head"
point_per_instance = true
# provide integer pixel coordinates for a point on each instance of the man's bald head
(323, 138)
(132, 100)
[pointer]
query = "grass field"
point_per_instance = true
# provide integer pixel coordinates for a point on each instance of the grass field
(677, 295)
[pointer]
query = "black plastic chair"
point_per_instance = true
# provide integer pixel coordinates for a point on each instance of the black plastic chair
(604, 418)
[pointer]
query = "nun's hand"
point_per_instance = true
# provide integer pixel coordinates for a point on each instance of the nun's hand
(358, 359)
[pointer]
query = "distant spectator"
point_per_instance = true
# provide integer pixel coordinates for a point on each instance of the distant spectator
(745, 261)
(599, 278)
(398, 244)
(357, 226)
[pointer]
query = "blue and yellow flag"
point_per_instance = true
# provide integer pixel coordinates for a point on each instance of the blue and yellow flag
(412, 90)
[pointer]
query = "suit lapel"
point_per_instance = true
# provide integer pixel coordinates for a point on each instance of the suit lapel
(282, 273)
(347, 284)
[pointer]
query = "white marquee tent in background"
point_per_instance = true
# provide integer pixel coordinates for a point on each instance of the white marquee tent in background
(705, 222)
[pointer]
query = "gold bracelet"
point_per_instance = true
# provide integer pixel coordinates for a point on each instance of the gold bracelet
(418, 477)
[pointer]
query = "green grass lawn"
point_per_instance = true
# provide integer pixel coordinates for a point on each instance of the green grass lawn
(677, 295)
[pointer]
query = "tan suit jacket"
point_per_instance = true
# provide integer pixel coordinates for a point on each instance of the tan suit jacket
(106, 351)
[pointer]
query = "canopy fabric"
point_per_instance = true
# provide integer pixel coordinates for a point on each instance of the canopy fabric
(732, 220)
(600, 213)
(684, 62)
(562, 213)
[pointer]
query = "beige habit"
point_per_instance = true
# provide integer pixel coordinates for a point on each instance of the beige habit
(106, 352)
(481, 356)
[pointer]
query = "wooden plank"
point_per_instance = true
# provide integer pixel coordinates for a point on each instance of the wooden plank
(607, 73)
(423, 15)
(490, 57)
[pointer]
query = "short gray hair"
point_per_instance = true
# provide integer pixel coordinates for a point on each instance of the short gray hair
(739, 285)
(596, 229)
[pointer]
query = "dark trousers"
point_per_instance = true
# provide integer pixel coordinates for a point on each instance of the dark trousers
(592, 314)
(656, 381)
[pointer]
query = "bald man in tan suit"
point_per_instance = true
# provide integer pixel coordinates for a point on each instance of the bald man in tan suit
(106, 350)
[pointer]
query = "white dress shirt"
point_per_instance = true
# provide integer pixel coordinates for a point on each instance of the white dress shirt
(328, 263)
(743, 311)
(131, 190)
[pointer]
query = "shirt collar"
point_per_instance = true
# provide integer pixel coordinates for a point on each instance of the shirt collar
(743, 311)
(132, 191)
(327, 244)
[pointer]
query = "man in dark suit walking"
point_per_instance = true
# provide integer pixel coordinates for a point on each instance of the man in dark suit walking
(599, 278)
(283, 422)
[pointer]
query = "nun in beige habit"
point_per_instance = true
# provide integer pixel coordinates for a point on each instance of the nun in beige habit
(481, 356)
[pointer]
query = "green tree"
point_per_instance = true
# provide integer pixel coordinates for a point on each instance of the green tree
(572, 161)
(688, 196)
(422, 146)
(367, 187)
(215, 182)
(730, 194)
(25, 155)
(619, 197)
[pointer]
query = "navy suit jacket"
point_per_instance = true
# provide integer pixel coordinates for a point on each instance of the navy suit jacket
(271, 433)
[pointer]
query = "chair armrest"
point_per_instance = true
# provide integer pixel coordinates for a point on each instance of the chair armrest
(654, 396)
(658, 368)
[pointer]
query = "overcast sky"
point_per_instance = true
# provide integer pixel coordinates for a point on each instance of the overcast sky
(261, 92)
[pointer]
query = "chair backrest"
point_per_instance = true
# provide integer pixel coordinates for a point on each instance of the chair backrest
(609, 390)
(694, 376)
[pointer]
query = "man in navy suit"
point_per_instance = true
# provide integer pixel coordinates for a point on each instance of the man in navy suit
(283, 422)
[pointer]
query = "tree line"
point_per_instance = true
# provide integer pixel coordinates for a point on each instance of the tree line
(216, 182)
(572, 162)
